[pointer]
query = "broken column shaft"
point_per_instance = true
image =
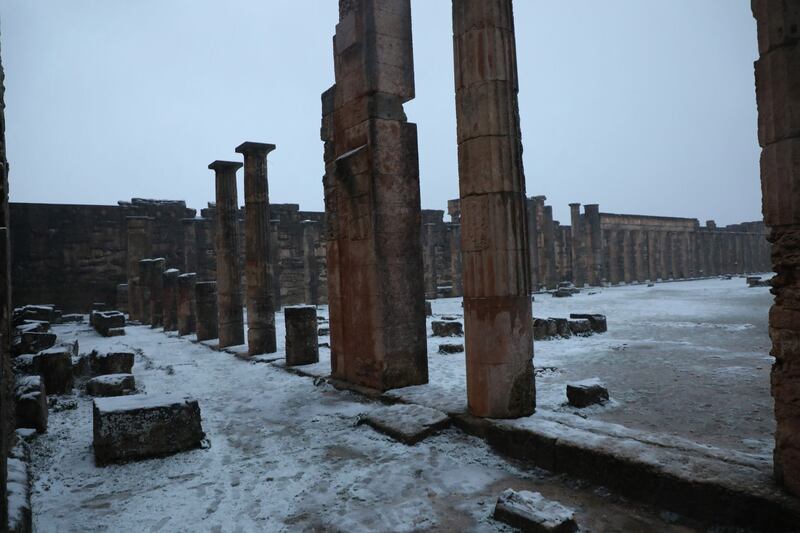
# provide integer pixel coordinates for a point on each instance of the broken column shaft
(302, 346)
(494, 232)
(170, 299)
(260, 307)
(140, 246)
(206, 309)
(229, 278)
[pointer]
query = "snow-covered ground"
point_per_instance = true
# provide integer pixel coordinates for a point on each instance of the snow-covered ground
(286, 452)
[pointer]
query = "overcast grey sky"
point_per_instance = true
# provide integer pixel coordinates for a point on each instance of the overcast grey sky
(642, 106)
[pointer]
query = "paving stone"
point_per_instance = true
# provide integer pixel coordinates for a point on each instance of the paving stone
(407, 423)
(445, 349)
(587, 392)
(531, 512)
(111, 385)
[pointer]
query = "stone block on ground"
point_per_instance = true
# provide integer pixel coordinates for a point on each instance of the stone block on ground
(31, 403)
(102, 364)
(18, 491)
(562, 327)
(756, 281)
(108, 323)
(447, 348)
(45, 313)
(55, 367)
(25, 364)
(540, 329)
(111, 385)
(32, 342)
(530, 511)
(598, 322)
(447, 328)
(581, 327)
(587, 392)
(72, 318)
(562, 293)
(302, 343)
(141, 426)
(407, 423)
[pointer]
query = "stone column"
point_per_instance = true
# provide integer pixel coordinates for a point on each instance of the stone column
(170, 298)
(229, 280)
(429, 260)
(628, 257)
(664, 255)
(686, 255)
(594, 237)
(533, 243)
(455, 261)
(206, 308)
(157, 292)
(639, 259)
(578, 247)
(372, 201)
(302, 346)
(140, 246)
(536, 242)
(186, 303)
(778, 93)
(275, 263)
(206, 254)
(614, 259)
(146, 267)
(261, 337)
(190, 250)
(549, 256)
(311, 234)
(652, 256)
(497, 304)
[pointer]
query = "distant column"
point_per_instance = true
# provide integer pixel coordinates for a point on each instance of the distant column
(186, 303)
(665, 254)
(614, 259)
(429, 260)
(261, 336)
(578, 246)
(685, 254)
(229, 296)
(190, 250)
(170, 298)
(207, 315)
(548, 230)
(157, 292)
(140, 246)
(146, 273)
(497, 303)
(628, 257)
(594, 235)
(652, 256)
(455, 261)
(536, 239)
(639, 259)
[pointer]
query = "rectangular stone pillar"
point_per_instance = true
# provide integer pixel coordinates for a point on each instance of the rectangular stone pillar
(372, 201)
(497, 304)
(229, 277)
(170, 298)
(206, 308)
(140, 246)
(778, 93)
(186, 303)
(594, 237)
(578, 246)
(261, 336)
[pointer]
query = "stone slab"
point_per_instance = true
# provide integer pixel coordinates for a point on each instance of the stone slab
(530, 511)
(407, 423)
(111, 385)
(111, 363)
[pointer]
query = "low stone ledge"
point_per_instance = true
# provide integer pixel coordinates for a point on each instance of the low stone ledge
(530, 511)
(102, 364)
(143, 426)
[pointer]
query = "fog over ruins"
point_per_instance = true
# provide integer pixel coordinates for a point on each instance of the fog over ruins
(477, 265)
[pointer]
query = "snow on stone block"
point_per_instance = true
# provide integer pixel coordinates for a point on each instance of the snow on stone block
(581, 327)
(530, 511)
(407, 423)
(31, 403)
(142, 426)
(587, 392)
(55, 367)
(598, 322)
(19, 496)
(443, 328)
(445, 349)
(102, 364)
(111, 385)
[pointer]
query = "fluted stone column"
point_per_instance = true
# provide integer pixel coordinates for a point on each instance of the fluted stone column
(156, 280)
(206, 308)
(778, 93)
(578, 246)
(663, 255)
(455, 261)
(140, 246)
(170, 298)
(594, 236)
(186, 303)
(261, 337)
(229, 280)
(497, 304)
(685, 255)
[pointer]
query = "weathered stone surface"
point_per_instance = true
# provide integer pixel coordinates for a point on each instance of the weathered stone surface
(111, 385)
(55, 367)
(206, 307)
(540, 329)
(170, 298)
(563, 328)
(111, 363)
(442, 328)
(598, 322)
(32, 342)
(187, 313)
(587, 392)
(581, 327)
(428, 309)
(531, 512)
(445, 349)
(302, 347)
(72, 318)
(31, 403)
(141, 426)
(108, 323)
(407, 423)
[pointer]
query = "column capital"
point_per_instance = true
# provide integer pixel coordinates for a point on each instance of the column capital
(222, 166)
(254, 148)
(575, 204)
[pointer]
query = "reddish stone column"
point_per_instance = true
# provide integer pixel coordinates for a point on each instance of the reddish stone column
(261, 336)
(497, 303)
(186, 303)
(170, 298)
(207, 314)
(778, 92)
(229, 277)
(372, 201)
(578, 250)
(140, 246)
(594, 237)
